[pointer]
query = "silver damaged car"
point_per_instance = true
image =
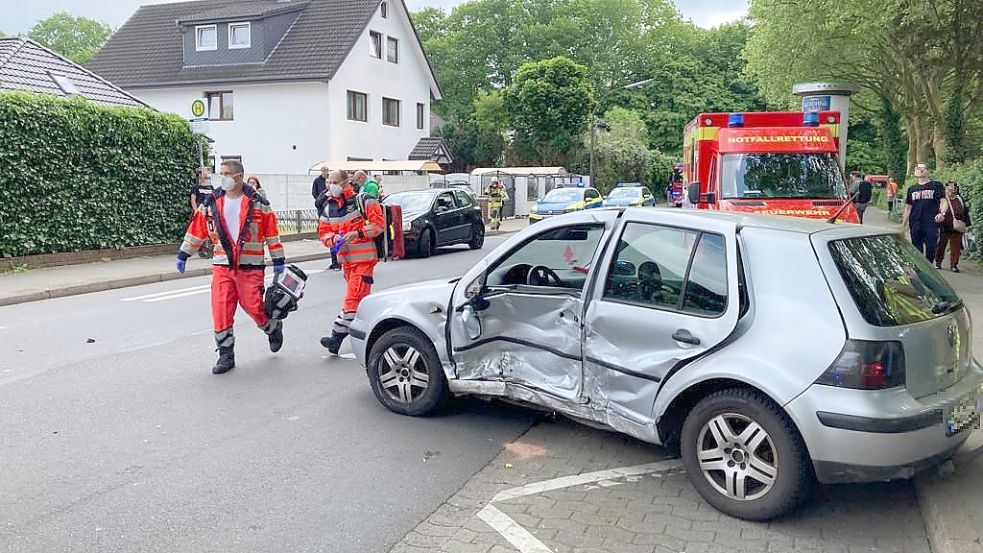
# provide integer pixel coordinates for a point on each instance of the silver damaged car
(769, 352)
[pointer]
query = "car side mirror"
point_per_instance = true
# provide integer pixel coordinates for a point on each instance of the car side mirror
(710, 198)
(693, 192)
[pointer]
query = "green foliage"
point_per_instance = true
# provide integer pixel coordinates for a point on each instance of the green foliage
(621, 153)
(548, 105)
(473, 146)
(490, 112)
(76, 38)
(78, 176)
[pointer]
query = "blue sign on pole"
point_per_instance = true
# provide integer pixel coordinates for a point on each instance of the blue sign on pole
(816, 103)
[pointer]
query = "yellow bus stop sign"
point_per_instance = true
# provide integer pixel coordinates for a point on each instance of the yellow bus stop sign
(199, 109)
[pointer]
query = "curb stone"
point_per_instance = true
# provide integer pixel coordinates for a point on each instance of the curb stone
(948, 531)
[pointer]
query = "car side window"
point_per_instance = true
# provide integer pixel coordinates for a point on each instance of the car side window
(669, 268)
(447, 200)
(593, 194)
(463, 199)
(566, 252)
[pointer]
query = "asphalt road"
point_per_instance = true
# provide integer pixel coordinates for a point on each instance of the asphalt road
(115, 436)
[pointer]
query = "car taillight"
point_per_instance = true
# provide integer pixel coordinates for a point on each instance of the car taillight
(864, 365)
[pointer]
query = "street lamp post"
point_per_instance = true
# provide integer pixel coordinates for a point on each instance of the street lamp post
(593, 121)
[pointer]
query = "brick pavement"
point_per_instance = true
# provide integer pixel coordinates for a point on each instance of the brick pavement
(654, 513)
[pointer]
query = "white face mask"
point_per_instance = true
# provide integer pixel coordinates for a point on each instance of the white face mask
(228, 183)
(335, 190)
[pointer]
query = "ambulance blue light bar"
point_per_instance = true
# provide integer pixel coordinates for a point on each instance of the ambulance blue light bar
(735, 120)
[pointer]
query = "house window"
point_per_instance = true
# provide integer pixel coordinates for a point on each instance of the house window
(385, 10)
(65, 84)
(239, 35)
(219, 105)
(420, 109)
(390, 112)
(206, 38)
(375, 49)
(392, 50)
(357, 103)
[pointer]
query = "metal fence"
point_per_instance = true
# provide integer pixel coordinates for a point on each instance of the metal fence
(296, 221)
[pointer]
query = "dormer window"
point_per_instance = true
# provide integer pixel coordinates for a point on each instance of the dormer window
(239, 35)
(206, 38)
(384, 10)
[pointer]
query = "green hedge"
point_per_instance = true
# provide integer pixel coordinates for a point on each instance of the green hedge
(78, 176)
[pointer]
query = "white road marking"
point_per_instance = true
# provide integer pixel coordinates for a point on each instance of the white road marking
(522, 539)
(192, 291)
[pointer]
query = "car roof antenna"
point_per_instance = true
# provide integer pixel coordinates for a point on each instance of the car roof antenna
(844, 206)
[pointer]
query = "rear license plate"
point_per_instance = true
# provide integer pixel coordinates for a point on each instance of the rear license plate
(962, 415)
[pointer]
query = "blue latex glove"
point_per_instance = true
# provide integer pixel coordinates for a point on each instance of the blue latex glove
(278, 267)
(339, 241)
(181, 265)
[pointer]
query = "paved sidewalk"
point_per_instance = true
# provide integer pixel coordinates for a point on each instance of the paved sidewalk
(952, 499)
(70, 280)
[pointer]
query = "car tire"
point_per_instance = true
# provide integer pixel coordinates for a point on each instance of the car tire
(776, 473)
(424, 246)
(477, 237)
(406, 374)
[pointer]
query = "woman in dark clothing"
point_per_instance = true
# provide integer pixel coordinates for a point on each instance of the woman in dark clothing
(953, 220)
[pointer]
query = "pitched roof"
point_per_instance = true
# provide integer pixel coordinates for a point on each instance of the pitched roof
(147, 51)
(28, 66)
(250, 9)
(431, 148)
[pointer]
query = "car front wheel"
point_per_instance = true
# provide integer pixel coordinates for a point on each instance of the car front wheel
(744, 456)
(424, 247)
(477, 237)
(405, 373)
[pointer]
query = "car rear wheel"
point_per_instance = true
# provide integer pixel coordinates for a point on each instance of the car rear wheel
(744, 455)
(424, 247)
(405, 373)
(477, 237)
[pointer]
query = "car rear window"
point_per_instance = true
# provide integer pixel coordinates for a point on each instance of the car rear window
(891, 283)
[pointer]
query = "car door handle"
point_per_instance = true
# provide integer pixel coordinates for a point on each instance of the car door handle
(684, 336)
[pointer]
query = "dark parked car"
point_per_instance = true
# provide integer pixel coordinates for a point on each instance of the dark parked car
(439, 217)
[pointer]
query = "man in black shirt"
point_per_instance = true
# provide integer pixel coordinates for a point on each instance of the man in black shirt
(921, 207)
(200, 190)
(861, 191)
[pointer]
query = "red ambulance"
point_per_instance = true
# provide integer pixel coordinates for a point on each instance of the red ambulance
(777, 163)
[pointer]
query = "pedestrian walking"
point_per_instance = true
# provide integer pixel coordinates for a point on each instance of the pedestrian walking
(892, 193)
(201, 189)
(497, 196)
(953, 220)
(240, 223)
(861, 191)
(921, 207)
(350, 224)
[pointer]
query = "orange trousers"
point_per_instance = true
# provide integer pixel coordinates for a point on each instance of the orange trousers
(230, 289)
(360, 280)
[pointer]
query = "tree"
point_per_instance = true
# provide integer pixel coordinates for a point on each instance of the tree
(76, 38)
(548, 105)
(622, 152)
(430, 23)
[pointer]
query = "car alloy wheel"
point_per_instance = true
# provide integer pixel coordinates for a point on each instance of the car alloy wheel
(403, 374)
(737, 456)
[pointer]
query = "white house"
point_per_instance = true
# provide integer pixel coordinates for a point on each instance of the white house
(289, 83)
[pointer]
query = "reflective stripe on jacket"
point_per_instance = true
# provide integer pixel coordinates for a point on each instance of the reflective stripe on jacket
(341, 216)
(258, 228)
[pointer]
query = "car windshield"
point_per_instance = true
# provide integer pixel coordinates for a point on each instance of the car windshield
(411, 202)
(891, 282)
(789, 175)
(626, 193)
(564, 195)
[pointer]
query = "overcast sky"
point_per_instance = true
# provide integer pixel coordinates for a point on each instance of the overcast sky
(18, 15)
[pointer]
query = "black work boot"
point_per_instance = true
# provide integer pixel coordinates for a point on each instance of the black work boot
(226, 361)
(276, 336)
(333, 342)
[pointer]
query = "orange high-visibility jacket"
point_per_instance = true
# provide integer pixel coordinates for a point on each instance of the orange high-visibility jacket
(341, 216)
(258, 227)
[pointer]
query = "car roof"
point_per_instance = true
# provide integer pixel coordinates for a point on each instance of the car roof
(799, 225)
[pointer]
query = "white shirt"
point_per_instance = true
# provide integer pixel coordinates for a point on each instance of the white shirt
(230, 212)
